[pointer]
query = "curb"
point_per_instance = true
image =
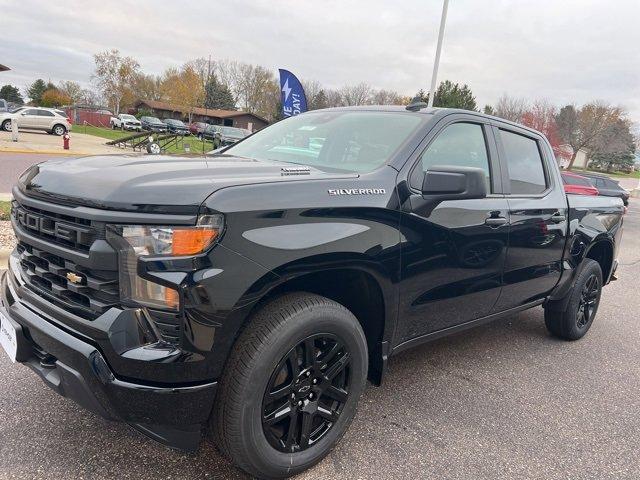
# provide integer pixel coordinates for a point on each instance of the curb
(45, 152)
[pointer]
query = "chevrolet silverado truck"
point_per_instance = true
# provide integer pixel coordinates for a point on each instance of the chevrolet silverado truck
(250, 294)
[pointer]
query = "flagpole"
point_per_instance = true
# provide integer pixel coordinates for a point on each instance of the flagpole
(434, 77)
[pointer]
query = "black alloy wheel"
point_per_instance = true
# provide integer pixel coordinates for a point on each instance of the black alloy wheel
(571, 317)
(588, 301)
(306, 393)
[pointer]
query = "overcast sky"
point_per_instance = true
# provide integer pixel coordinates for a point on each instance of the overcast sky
(565, 51)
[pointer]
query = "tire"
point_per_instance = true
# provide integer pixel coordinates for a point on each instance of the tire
(58, 130)
(6, 125)
(280, 332)
(154, 149)
(576, 319)
(113, 126)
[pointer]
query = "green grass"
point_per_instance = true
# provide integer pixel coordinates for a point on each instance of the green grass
(5, 208)
(196, 146)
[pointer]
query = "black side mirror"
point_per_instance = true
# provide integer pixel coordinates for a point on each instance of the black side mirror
(453, 183)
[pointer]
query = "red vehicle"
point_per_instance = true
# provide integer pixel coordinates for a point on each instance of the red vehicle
(578, 185)
(196, 128)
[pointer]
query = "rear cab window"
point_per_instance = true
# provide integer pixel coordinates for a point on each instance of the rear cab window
(525, 164)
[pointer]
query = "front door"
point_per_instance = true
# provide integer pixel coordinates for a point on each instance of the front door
(28, 118)
(452, 253)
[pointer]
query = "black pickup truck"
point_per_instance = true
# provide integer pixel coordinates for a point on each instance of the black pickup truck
(251, 293)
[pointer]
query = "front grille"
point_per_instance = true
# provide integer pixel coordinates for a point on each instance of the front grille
(67, 285)
(64, 230)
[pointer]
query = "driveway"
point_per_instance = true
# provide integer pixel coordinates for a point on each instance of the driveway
(502, 401)
(41, 142)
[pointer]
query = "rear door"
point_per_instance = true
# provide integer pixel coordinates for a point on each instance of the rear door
(538, 216)
(46, 119)
(452, 253)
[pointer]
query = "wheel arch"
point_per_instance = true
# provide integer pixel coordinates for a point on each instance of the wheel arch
(359, 290)
(602, 252)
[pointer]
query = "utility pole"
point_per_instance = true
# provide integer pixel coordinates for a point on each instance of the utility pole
(434, 76)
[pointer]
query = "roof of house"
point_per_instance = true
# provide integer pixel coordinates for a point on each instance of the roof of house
(3, 68)
(208, 112)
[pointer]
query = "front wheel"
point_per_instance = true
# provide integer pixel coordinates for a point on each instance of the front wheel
(575, 319)
(59, 130)
(6, 125)
(291, 386)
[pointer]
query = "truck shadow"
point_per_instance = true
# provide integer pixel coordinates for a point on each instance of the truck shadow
(63, 437)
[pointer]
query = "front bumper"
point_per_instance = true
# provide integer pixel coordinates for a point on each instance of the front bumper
(75, 368)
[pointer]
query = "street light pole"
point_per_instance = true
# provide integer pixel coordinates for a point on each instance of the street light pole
(434, 77)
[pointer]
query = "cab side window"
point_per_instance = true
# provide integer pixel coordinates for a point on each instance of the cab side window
(460, 145)
(524, 161)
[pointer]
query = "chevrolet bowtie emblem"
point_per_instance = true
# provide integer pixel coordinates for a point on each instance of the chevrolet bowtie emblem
(73, 278)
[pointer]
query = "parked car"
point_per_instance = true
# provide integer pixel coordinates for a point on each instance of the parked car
(224, 135)
(253, 293)
(124, 121)
(578, 184)
(196, 128)
(176, 126)
(607, 186)
(49, 120)
(153, 124)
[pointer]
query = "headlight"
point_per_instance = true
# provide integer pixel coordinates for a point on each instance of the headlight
(135, 241)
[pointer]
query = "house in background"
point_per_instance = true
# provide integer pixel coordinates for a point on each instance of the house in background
(564, 157)
(229, 118)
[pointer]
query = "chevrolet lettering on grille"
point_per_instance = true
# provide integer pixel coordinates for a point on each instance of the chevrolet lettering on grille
(53, 227)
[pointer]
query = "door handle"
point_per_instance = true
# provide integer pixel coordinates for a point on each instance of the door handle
(557, 217)
(495, 221)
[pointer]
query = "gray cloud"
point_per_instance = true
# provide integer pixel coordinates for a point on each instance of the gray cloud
(571, 51)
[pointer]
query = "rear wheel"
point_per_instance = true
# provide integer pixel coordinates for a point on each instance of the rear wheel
(291, 386)
(575, 320)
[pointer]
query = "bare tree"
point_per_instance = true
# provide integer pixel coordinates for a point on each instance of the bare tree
(311, 89)
(254, 87)
(73, 90)
(146, 87)
(334, 98)
(582, 128)
(511, 108)
(114, 75)
(386, 97)
(359, 94)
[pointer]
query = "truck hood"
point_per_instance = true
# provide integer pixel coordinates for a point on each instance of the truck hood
(153, 183)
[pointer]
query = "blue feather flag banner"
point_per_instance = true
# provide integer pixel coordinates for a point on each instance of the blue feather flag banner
(294, 101)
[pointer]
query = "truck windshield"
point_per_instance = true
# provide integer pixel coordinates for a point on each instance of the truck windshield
(350, 141)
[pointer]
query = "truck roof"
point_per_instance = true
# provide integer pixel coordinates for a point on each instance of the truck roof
(436, 112)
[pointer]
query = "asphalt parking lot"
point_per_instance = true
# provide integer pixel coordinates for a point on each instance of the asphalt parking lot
(502, 401)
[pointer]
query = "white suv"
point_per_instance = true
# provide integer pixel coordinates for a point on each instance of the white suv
(37, 118)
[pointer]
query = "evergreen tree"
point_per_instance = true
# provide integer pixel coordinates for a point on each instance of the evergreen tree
(451, 95)
(218, 95)
(318, 101)
(35, 91)
(11, 94)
